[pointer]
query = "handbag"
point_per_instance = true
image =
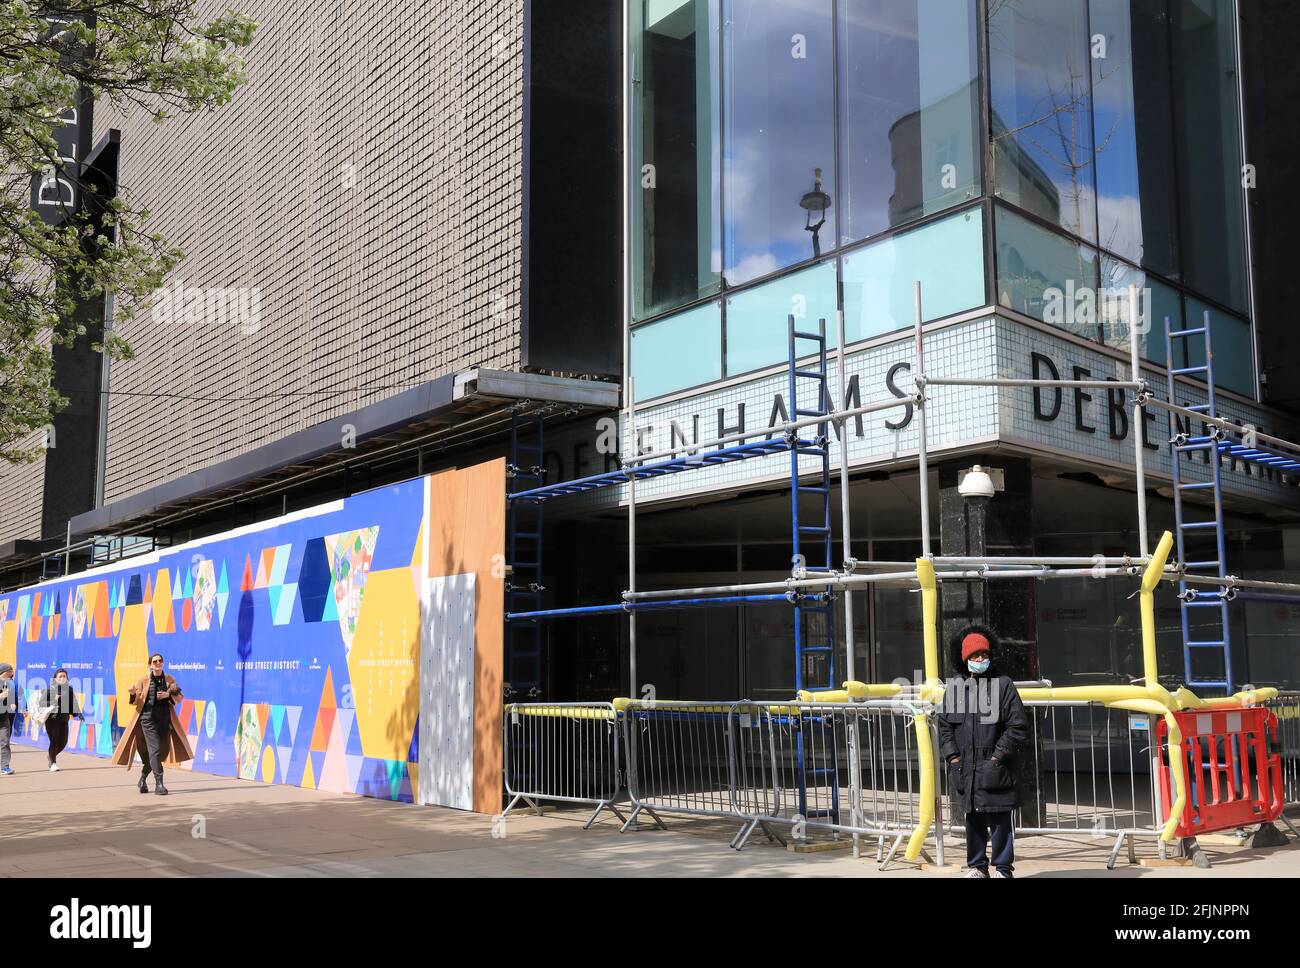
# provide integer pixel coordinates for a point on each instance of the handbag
(41, 713)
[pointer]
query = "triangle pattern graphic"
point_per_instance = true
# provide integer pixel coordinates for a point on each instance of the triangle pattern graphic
(283, 611)
(331, 613)
(309, 772)
(334, 774)
(348, 728)
(293, 714)
(354, 764)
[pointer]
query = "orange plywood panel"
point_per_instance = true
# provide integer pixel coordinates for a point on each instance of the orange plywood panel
(466, 533)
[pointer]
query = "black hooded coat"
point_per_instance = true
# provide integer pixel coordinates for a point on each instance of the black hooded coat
(982, 723)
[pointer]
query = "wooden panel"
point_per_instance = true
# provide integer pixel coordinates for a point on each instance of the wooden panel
(467, 534)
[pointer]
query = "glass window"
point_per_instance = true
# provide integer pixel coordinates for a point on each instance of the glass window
(1234, 363)
(897, 646)
(1156, 302)
(758, 319)
(947, 256)
(1136, 198)
(676, 239)
(909, 110)
(1047, 276)
(1273, 643)
(1210, 212)
(678, 352)
(779, 101)
(769, 654)
(1041, 111)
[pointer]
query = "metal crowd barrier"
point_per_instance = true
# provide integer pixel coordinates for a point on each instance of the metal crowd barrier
(1287, 709)
(680, 761)
(1087, 769)
(853, 768)
(837, 768)
(564, 752)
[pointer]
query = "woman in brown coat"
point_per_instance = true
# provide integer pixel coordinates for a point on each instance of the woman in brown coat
(156, 726)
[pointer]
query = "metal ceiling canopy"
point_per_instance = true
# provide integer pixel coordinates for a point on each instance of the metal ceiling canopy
(443, 402)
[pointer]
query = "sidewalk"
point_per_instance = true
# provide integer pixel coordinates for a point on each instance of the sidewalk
(89, 820)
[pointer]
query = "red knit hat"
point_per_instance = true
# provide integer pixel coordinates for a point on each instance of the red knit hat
(972, 643)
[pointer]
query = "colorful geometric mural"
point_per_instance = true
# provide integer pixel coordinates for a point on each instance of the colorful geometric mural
(296, 645)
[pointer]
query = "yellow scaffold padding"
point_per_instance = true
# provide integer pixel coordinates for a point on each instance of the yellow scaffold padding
(929, 618)
(925, 815)
(559, 712)
(1186, 699)
(1175, 749)
(683, 705)
(1086, 693)
(853, 690)
(1147, 602)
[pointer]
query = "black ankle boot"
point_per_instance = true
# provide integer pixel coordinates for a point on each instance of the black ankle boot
(144, 787)
(160, 790)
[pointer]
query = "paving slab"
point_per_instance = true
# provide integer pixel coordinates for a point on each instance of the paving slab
(88, 820)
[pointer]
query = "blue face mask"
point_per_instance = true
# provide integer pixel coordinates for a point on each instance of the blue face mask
(978, 667)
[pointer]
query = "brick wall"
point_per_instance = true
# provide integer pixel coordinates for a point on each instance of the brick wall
(22, 488)
(362, 194)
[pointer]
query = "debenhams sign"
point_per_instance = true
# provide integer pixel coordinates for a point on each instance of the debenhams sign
(1092, 425)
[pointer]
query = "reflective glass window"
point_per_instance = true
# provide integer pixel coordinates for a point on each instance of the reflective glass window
(779, 106)
(1045, 275)
(1133, 126)
(1234, 364)
(758, 319)
(678, 352)
(947, 256)
(1209, 150)
(676, 151)
(909, 110)
(1156, 302)
(1041, 110)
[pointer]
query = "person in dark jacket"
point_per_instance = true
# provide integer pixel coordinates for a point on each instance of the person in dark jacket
(8, 707)
(64, 701)
(981, 728)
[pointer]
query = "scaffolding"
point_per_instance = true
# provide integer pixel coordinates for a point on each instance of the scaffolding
(812, 587)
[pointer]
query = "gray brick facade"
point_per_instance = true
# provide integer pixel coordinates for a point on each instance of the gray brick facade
(22, 489)
(362, 193)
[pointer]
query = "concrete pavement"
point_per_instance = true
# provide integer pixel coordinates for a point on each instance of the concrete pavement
(88, 820)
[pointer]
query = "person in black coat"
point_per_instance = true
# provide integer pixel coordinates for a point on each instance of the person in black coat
(64, 701)
(8, 708)
(981, 728)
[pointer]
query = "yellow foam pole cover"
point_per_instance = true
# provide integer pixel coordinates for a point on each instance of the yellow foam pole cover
(925, 815)
(929, 617)
(1150, 578)
(1175, 748)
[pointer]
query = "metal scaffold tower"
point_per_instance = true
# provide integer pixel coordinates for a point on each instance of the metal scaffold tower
(1197, 534)
(523, 587)
(817, 580)
(810, 538)
(811, 544)
(1202, 549)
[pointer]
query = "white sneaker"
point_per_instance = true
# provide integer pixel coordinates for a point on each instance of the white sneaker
(997, 873)
(54, 767)
(978, 873)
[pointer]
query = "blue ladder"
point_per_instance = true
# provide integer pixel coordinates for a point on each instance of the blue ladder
(1211, 605)
(811, 544)
(525, 471)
